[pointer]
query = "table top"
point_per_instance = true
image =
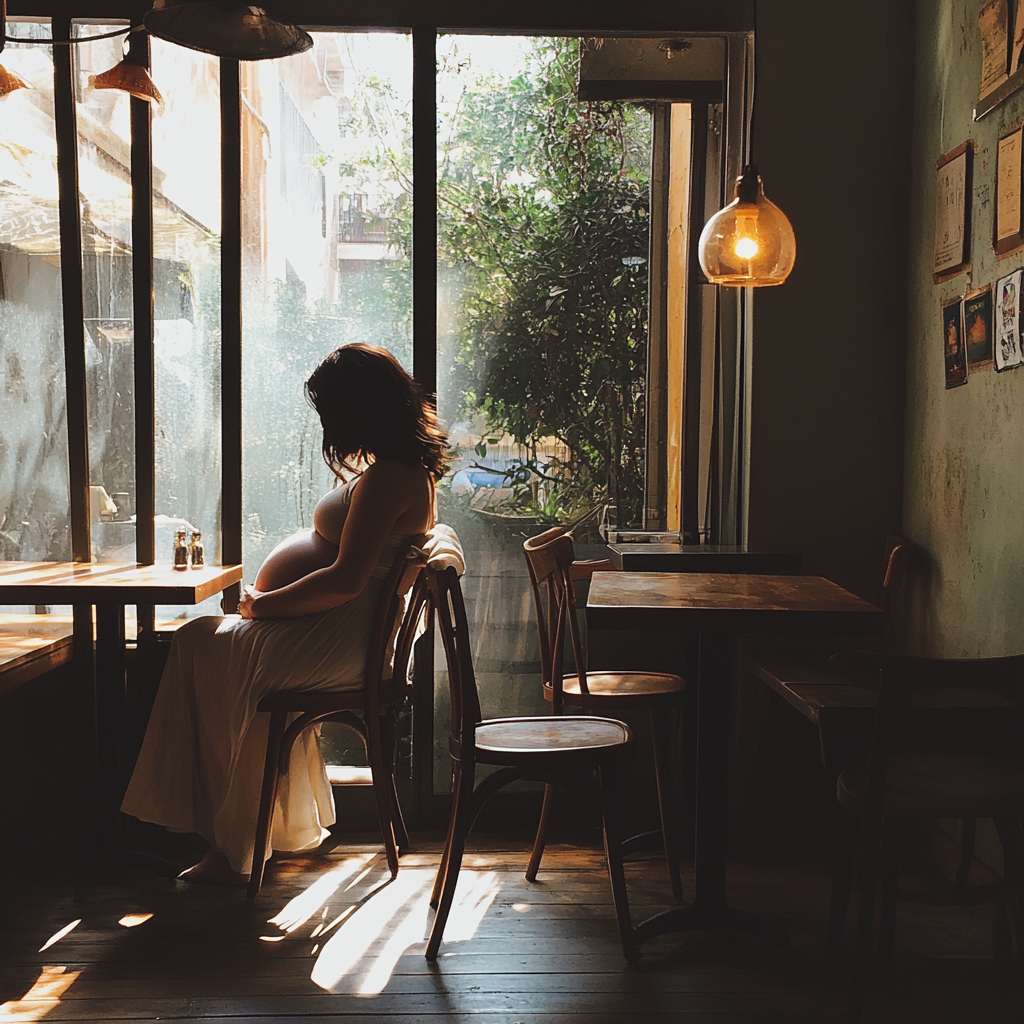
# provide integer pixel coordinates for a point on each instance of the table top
(674, 556)
(728, 603)
(111, 583)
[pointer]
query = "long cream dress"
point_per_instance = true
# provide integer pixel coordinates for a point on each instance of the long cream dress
(201, 764)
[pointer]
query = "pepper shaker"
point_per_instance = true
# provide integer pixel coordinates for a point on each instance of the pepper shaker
(195, 550)
(180, 549)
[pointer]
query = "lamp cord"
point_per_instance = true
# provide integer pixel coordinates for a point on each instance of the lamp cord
(71, 42)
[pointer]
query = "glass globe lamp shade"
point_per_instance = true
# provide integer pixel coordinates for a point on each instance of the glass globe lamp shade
(750, 243)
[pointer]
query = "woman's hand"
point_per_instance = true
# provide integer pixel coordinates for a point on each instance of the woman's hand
(245, 606)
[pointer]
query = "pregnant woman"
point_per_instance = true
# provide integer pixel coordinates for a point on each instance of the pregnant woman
(305, 625)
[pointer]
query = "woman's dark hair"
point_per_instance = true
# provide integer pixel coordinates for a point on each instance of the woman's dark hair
(371, 408)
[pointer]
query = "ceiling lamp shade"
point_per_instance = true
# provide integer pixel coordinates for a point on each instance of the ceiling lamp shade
(226, 29)
(130, 78)
(750, 243)
(9, 81)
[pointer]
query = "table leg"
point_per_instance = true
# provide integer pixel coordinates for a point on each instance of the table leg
(710, 910)
(110, 712)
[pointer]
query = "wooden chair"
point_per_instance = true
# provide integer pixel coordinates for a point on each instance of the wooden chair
(553, 570)
(523, 748)
(371, 712)
(928, 760)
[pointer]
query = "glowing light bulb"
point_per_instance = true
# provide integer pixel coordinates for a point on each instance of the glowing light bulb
(746, 248)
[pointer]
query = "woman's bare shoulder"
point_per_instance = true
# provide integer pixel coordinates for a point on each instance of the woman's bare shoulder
(388, 472)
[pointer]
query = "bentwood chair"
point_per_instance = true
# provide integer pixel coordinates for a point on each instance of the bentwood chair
(370, 712)
(946, 744)
(550, 558)
(544, 748)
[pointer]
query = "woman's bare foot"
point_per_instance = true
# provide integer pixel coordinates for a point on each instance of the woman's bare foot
(213, 869)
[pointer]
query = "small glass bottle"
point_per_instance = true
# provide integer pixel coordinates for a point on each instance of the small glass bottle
(180, 549)
(195, 550)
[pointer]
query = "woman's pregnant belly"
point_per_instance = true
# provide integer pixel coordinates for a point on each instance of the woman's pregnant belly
(293, 558)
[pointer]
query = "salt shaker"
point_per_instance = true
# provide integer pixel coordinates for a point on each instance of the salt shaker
(195, 550)
(180, 549)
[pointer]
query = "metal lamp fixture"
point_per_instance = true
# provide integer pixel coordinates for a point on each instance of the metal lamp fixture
(750, 243)
(226, 29)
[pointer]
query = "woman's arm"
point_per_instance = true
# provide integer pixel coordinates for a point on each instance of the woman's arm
(385, 493)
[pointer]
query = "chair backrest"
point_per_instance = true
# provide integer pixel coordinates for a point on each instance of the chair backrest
(441, 589)
(394, 627)
(898, 552)
(549, 558)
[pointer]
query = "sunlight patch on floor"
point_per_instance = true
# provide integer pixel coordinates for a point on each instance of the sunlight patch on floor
(299, 910)
(57, 936)
(361, 956)
(42, 998)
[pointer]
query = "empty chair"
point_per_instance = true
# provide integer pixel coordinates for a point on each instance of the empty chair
(553, 570)
(545, 748)
(928, 759)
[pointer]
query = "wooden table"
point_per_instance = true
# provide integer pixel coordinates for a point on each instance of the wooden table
(109, 587)
(673, 556)
(716, 607)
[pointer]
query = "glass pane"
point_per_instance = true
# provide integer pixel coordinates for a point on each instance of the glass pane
(35, 514)
(186, 296)
(326, 189)
(34, 490)
(542, 326)
(104, 162)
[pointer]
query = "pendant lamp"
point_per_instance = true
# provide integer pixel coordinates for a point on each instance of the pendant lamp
(750, 243)
(131, 78)
(9, 81)
(226, 29)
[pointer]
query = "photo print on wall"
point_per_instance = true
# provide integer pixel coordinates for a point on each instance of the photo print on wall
(978, 328)
(953, 342)
(1007, 317)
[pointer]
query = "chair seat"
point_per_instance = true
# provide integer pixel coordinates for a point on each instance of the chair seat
(941, 786)
(576, 738)
(622, 689)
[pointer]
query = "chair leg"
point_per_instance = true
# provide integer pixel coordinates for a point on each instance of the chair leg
(268, 796)
(442, 868)
(388, 744)
(452, 863)
(968, 834)
(542, 834)
(1011, 838)
(844, 854)
(613, 856)
(381, 770)
(865, 920)
(667, 806)
(891, 836)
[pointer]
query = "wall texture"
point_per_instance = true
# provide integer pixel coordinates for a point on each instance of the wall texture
(964, 467)
(832, 139)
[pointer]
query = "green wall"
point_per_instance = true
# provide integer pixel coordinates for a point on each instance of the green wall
(833, 107)
(964, 466)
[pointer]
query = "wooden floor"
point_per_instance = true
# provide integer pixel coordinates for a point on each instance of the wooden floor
(327, 938)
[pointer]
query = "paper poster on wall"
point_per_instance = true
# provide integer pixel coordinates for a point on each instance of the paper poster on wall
(952, 212)
(992, 23)
(1017, 46)
(1008, 234)
(953, 343)
(978, 328)
(1007, 315)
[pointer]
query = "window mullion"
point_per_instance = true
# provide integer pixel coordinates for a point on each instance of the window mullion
(231, 322)
(424, 211)
(69, 211)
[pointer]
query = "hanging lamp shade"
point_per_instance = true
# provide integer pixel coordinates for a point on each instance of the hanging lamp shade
(9, 81)
(750, 243)
(226, 29)
(130, 78)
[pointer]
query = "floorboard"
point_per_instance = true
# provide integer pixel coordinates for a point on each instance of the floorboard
(329, 938)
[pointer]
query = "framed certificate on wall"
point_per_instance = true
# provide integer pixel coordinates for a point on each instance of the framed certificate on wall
(952, 213)
(1008, 233)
